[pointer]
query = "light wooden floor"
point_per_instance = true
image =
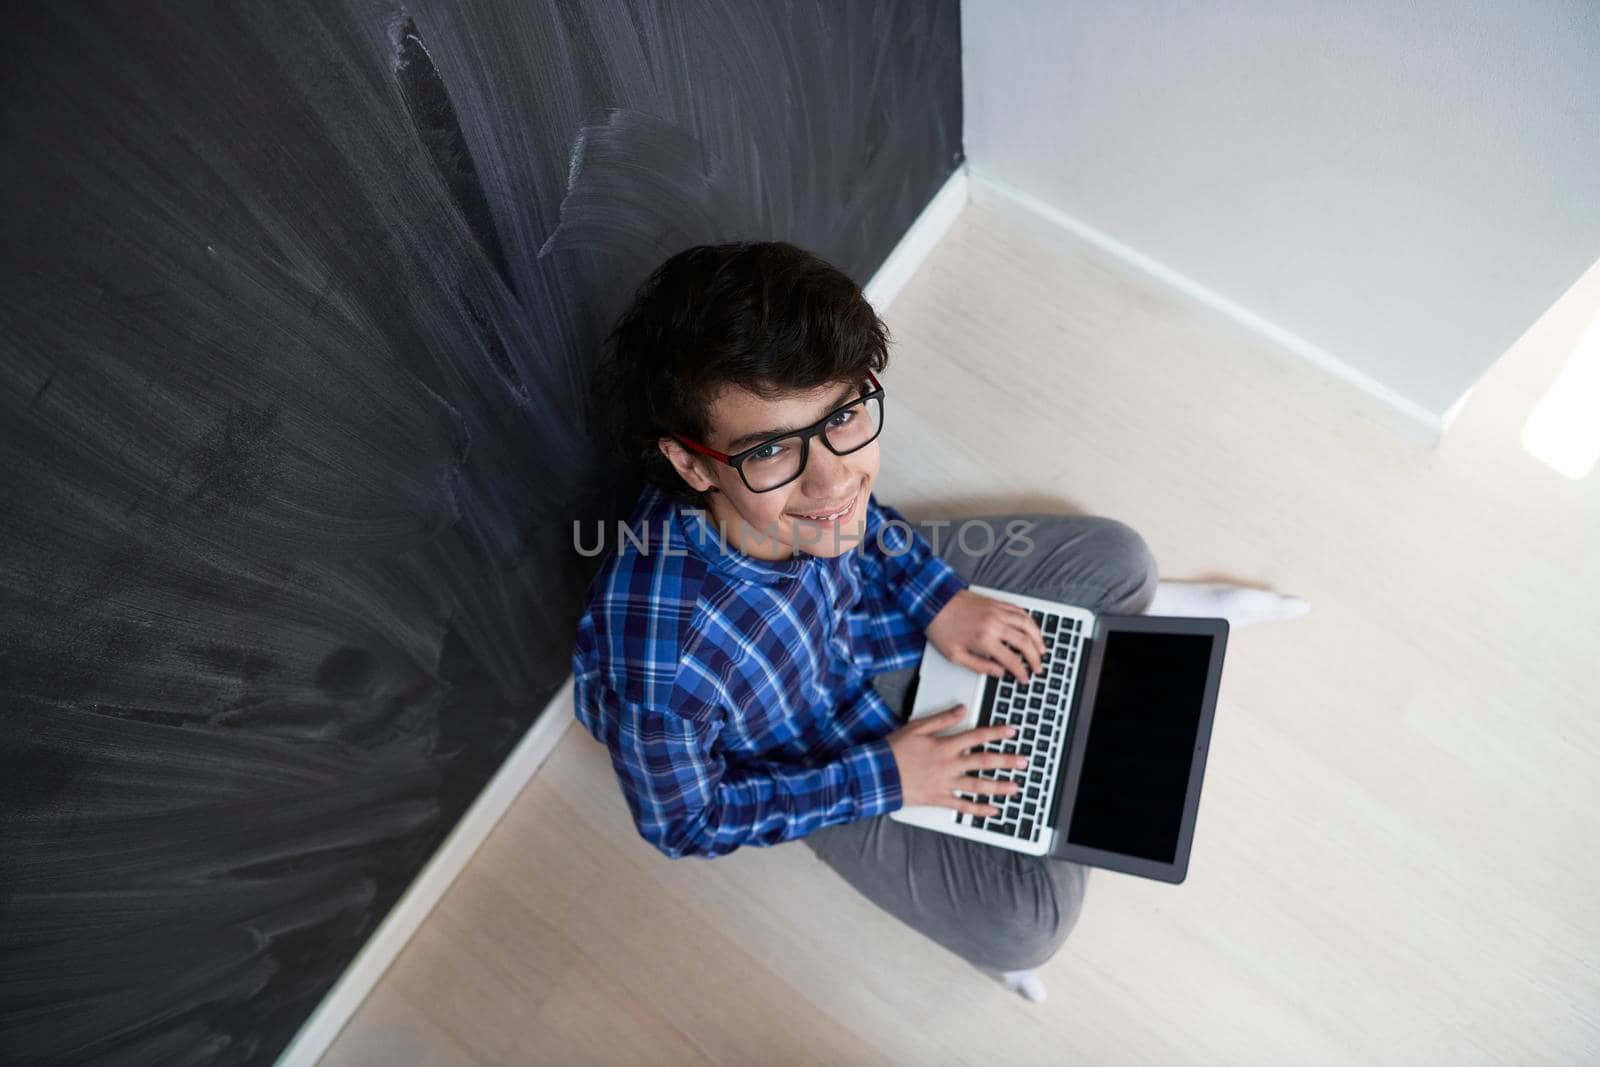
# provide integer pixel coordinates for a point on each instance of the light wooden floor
(1396, 859)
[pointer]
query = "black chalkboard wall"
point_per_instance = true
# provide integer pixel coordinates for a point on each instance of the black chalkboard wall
(298, 300)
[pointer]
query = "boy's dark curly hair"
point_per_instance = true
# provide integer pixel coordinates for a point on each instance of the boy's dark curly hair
(764, 315)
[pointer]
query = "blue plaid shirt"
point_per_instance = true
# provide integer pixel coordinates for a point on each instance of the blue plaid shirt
(733, 693)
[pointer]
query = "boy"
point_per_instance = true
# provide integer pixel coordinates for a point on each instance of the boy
(725, 649)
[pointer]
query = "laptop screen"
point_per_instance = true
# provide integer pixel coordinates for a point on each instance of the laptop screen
(1134, 779)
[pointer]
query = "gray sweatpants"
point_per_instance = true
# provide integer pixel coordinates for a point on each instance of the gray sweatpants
(997, 909)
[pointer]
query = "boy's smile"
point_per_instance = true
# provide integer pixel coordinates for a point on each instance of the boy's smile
(783, 522)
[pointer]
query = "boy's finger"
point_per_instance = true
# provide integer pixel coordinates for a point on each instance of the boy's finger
(1030, 626)
(1031, 647)
(973, 809)
(995, 787)
(986, 760)
(1012, 662)
(983, 735)
(943, 719)
(975, 663)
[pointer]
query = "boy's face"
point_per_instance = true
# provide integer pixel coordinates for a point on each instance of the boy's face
(773, 525)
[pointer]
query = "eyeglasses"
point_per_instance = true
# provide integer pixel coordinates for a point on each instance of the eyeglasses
(779, 460)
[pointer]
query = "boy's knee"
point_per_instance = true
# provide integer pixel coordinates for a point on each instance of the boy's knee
(1040, 925)
(1027, 942)
(1128, 546)
(1128, 562)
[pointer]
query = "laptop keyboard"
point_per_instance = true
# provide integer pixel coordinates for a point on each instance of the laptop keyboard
(1039, 710)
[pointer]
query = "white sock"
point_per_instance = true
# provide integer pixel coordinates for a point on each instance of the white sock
(1027, 983)
(1239, 604)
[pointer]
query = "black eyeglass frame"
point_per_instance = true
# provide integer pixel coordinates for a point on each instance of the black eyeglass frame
(736, 460)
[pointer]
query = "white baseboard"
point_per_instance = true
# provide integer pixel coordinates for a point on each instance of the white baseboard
(1414, 421)
(419, 899)
(919, 240)
(341, 1002)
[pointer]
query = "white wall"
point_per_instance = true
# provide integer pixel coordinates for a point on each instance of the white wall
(1407, 186)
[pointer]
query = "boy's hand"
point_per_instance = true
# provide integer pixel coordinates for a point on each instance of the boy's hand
(988, 635)
(933, 768)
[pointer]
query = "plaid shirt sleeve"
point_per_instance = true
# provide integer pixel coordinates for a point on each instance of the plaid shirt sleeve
(904, 585)
(688, 799)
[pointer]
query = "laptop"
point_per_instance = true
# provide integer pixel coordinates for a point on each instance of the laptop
(1116, 722)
